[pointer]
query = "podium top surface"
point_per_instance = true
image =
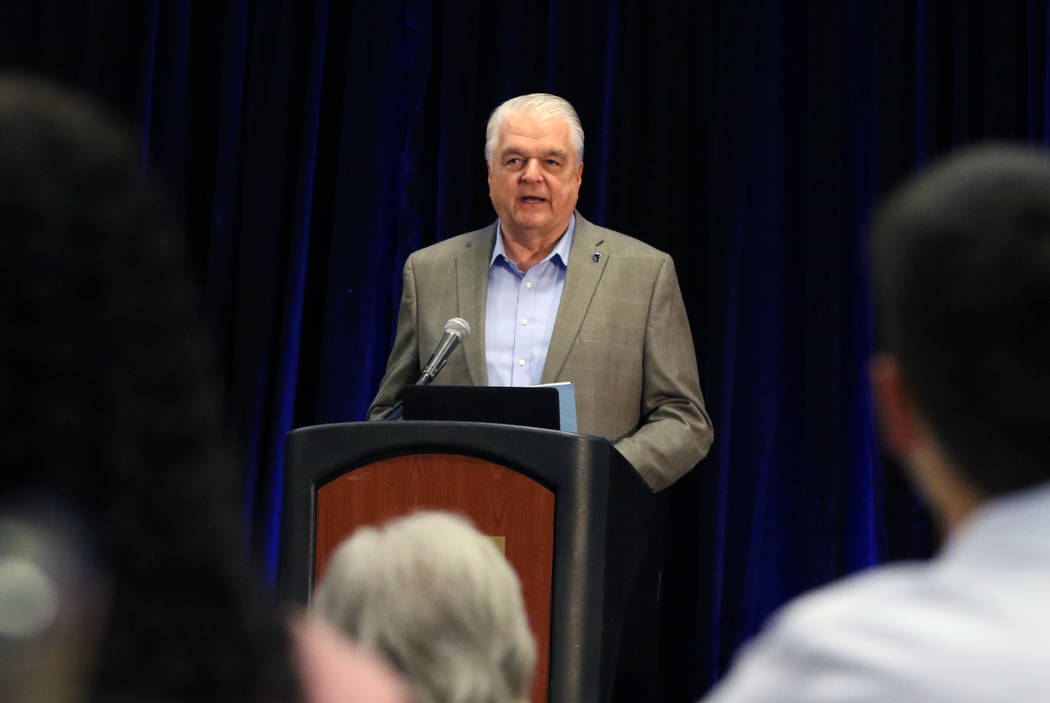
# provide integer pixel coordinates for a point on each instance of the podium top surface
(543, 453)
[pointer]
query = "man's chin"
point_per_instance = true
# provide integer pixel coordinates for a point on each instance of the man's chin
(532, 221)
(535, 223)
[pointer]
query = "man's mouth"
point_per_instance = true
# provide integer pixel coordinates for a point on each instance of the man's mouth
(532, 199)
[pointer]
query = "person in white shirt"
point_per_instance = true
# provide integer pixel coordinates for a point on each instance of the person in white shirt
(961, 260)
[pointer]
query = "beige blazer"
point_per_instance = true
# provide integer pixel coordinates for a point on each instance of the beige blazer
(621, 336)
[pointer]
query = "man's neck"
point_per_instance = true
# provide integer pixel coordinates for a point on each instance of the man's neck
(526, 249)
(950, 496)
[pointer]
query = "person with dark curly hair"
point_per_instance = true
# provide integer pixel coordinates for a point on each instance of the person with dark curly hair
(111, 418)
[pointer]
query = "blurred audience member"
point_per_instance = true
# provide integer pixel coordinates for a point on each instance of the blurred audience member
(333, 670)
(962, 279)
(111, 420)
(440, 602)
(53, 601)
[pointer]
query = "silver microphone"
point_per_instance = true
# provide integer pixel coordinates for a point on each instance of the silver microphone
(456, 332)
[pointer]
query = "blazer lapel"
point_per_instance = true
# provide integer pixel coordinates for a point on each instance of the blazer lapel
(472, 283)
(587, 260)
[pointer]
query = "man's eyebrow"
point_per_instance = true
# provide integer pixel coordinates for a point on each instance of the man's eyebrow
(560, 153)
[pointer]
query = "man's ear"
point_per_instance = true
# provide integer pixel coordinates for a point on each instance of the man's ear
(899, 418)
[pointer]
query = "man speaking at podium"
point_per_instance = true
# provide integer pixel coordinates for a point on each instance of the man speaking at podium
(551, 297)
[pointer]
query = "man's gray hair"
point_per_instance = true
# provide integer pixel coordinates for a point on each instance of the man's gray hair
(439, 601)
(543, 106)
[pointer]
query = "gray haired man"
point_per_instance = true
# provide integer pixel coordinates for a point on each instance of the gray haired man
(552, 297)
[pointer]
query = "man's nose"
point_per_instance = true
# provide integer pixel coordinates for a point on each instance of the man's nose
(531, 172)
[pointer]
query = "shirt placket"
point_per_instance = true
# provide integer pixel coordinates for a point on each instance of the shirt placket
(522, 374)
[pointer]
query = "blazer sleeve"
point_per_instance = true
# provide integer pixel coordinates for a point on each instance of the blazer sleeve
(402, 367)
(675, 430)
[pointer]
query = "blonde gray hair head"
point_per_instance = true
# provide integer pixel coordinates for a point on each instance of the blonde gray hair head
(541, 106)
(440, 602)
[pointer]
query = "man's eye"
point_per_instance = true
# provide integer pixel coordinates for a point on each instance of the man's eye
(513, 161)
(552, 162)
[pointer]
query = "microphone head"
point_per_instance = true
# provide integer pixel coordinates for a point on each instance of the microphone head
(459, 327)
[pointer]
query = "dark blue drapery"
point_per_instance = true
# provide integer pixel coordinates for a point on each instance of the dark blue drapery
(312, 145)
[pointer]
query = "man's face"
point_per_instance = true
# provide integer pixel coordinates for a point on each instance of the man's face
(534, 177)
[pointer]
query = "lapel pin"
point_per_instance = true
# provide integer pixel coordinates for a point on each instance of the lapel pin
(597, 257)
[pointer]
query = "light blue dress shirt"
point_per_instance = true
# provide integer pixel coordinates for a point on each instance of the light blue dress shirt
(520, 311)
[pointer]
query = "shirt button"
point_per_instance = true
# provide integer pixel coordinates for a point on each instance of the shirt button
(521, 362)
(524, 321)
(528, 284)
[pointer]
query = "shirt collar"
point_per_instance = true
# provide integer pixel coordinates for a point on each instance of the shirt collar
(1004, 526)
(560, 254)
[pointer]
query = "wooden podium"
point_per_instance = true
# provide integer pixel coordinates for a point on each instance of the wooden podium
(569, 511)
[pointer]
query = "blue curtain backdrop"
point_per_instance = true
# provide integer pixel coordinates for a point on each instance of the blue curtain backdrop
(312, 145)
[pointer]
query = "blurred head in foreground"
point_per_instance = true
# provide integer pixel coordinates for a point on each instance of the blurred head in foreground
(440, 602)
(962, 276)
(109, 413)
(118, 494)
(961, 256)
